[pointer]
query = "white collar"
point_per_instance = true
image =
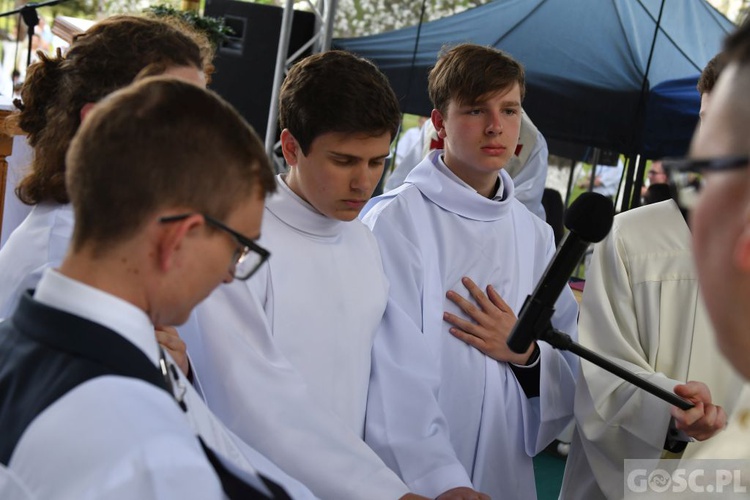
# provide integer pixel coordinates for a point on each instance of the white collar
(440, 164)
(59, 291)
(438, 183)
(299, 214)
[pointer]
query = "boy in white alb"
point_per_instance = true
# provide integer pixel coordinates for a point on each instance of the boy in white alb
(455, 225)
(313, 312)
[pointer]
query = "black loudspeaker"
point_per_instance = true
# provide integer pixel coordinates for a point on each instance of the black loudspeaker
(245, 62)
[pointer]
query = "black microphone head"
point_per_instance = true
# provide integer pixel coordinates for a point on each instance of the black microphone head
(590, 216)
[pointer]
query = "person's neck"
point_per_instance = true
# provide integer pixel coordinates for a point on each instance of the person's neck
(114, 273)
(485, 183)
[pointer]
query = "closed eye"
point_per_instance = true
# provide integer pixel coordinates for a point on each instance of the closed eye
(344, 161)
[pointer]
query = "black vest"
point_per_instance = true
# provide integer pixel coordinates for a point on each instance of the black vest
(45, 352)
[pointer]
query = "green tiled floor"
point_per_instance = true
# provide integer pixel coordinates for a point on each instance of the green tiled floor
(548, 471)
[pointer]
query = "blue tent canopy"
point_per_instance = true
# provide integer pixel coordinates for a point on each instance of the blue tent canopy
(671, 116)
(586, 63)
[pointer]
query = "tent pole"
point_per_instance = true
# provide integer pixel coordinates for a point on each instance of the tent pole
(325, 12)
(329, 17)
(570, 182)
(414, 54)
(635, 200)
(644, 85)
(278, 77)
(408, 82)
(594, 164)
(628, 189)
(640, 117)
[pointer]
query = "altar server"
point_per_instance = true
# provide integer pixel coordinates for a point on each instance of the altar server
(462, 254)
(293, 360)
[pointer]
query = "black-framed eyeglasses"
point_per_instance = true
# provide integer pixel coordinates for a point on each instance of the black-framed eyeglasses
(686, 175)
(249, 255)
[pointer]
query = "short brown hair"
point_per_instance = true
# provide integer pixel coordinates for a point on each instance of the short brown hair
(160, 143)
(336, 91)
(467, 72)
(105, 58)
(711, 73)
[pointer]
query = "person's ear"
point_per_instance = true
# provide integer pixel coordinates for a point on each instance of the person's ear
(290, 148)
(86, 109)
(438, 122)
(173, 240)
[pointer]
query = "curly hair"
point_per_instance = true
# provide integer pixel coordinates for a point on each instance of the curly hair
(103, 59)
(130, 159)
(199, 36)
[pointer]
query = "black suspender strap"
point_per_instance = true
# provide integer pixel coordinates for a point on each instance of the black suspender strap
(92, 351)
(236, 488)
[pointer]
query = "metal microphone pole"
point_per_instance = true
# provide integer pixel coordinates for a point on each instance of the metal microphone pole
(31, 19)
(564, 342)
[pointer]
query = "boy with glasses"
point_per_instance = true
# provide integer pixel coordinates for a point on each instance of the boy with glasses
(90, 406)
(248, 257)
(642, 307)
(720, 155)
(717, 193)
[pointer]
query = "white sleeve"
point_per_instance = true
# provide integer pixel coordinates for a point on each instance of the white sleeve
(530, 181)
(41, 242)
(11, 486)
(610, 177)
(116, 438)
(254, 389)
(410, 159)
(404, 424)
(221, 440)
(615, 419)
(151, 474)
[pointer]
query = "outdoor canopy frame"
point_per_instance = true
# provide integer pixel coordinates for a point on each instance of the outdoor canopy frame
(591, 67)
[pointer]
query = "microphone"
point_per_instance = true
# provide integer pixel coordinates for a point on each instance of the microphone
(589, 220)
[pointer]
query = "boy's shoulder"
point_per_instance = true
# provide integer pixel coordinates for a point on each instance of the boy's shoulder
(395, 200)
(655, 228)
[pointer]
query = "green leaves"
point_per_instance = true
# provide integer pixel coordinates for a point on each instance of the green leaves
(214, 28)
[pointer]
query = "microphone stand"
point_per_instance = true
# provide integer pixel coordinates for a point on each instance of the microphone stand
(563, 342)
(31, 19)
